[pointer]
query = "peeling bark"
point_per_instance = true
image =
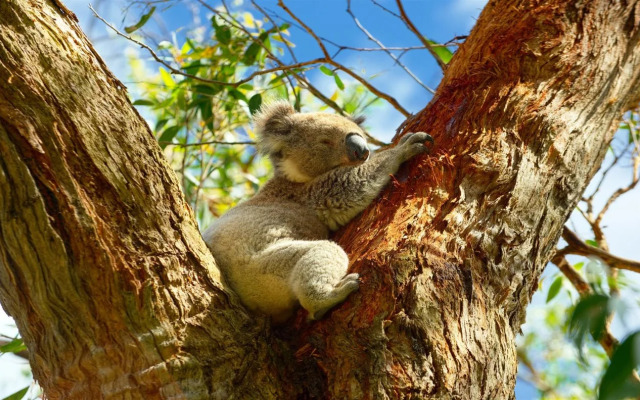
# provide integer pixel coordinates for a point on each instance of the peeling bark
(116, 295)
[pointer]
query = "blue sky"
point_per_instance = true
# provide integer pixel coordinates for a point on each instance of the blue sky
(438, 20)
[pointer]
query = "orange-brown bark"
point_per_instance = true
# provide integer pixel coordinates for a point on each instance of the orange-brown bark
(451, 254)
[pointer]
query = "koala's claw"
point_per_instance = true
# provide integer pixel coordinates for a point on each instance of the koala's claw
(415, 143)
(351, 281)
(417, 137)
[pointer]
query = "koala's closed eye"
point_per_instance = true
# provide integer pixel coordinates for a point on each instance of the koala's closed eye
(327, 142)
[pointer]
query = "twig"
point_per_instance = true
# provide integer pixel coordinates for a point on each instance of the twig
(173, 70)
(424, 41)
(158, 59)
(341, 67)
(534, 377)
(578, 247)
(379, 43)
(635, 178)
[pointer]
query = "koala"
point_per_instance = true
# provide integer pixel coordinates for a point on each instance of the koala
(273, 249)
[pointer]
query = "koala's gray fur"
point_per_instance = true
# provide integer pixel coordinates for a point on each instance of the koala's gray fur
(273, 249)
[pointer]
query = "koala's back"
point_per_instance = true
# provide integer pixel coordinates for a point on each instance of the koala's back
(245, 242)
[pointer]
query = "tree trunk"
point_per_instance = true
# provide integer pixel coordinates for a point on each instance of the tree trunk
(116, 295)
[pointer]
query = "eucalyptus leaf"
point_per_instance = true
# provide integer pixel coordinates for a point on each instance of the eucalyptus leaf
(554, 289)
(254, 103)
(14, 346)
(168, 135)
(325, 70)
(18, 395)
(338, 81)
(251, 53)
(223, 34)
(617, 382)
(442, 52)
(143, 20)
(143, 102)
(589, 316)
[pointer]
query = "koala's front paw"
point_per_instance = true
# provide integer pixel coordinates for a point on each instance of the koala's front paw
(413, 144)
(349, 283)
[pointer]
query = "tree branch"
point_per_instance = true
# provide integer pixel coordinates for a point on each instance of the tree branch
(424, 41)
(329, 60)
(382, 47)
(578, 247)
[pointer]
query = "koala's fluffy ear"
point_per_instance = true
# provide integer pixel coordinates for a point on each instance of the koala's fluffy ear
(271, 123)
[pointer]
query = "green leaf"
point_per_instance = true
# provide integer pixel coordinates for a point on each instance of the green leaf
(617, 382)
(338, 81)
(167, 79)
(209, 90)
(326, 70)
(254, 103)
(143, 20)
(17, 395)
(143, 102)
(168, 135)
(238, 95)
(206, 112)
(554, 289)
(223, 34)
(592, 243)
(251, 53)
(14, 346)
(589, 316)
(160, 124)
(442, 52)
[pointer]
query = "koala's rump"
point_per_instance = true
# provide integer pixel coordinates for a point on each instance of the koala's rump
(246, 244)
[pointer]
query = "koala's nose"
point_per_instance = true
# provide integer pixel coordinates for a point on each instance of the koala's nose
(357, 149)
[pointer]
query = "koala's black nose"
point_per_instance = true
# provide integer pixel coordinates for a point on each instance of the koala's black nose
(357, 149)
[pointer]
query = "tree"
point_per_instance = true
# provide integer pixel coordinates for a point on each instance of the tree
(99, 250)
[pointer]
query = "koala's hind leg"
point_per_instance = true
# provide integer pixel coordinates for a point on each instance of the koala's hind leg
(318, 279)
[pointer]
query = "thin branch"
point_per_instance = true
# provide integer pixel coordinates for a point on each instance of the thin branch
(534, 377)
(379, 43)
(614, 162)
(424, 41)
(387, 10)
(635, 177)
(343, 68)
(578, 247)
(285, 41)
(306, 27)
(157, 58)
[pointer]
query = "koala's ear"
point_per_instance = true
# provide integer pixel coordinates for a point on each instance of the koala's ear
(273, 118)
(272, 124)
(359, 120)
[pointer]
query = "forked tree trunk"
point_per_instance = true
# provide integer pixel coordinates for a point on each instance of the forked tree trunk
(116, 295)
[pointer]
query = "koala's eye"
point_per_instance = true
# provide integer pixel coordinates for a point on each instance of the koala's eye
(327, 142)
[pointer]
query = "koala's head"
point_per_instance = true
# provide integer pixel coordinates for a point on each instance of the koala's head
(305, 145)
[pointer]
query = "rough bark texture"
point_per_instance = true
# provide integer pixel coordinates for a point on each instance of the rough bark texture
(101, 262)
(116, 296)
(522, 120)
